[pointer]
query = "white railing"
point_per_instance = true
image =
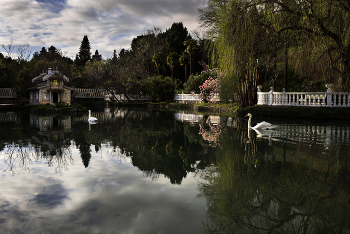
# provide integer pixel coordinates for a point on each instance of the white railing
(89, 93)
(194, 98)
(122, 97)
(187, 98)
(106, 95)
(7, 93)
(311, 99)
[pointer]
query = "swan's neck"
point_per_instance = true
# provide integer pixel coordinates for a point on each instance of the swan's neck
(250, 122)
(89, 114)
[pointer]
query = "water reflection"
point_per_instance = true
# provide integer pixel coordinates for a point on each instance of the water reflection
(133, 165)
(8, 117)
(152, 139)
(124, 182)
(290, 180)
(211, 126)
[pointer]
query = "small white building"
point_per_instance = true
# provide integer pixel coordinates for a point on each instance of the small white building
(49, 89)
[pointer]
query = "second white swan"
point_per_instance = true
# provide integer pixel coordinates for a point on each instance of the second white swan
(263, 125)
(92, 119)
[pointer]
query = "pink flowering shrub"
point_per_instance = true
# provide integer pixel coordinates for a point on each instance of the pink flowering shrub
(209, 88)
(195, 80)
(210, 133)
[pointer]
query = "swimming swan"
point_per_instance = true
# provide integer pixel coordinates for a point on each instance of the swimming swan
(263, 125)
(92, 119)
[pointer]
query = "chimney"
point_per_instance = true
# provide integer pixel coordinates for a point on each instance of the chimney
(49, 71)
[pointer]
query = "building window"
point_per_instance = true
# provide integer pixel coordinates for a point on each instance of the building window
(45, 96)
(65, 96)
(55, 83)
(37, 95)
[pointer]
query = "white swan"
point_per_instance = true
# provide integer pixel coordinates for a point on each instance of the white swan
(92, 120)
(263, 125)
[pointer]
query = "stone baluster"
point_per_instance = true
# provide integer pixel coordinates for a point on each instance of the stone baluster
(302, 100)
(314, 99)
(271, 101)
(260, 95)
(329, 94)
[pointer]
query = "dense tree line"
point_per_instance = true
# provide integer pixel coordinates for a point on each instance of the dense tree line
(290, 44)
(296, 45)
(173, 53)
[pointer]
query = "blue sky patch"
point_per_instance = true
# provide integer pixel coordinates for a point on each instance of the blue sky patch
(55, 6)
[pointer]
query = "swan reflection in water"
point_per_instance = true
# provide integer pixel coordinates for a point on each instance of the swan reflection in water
(320, 135)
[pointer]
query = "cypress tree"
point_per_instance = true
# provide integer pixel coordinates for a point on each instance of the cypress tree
(96, 57)
(85, 51)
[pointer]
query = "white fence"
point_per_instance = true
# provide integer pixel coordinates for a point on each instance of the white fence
(7, 93)
(89, 93)
(132, 97)
(312, 99)
(102, 93)
(194, 98)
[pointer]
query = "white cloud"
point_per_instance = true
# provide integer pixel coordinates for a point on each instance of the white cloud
(109, 24)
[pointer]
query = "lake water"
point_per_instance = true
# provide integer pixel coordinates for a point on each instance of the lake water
(150, 171)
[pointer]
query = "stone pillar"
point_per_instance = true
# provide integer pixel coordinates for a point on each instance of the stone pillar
(271, 96)
(329, 94)
(259, 95)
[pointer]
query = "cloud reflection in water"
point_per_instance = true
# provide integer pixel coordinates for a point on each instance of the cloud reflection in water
(108, 197)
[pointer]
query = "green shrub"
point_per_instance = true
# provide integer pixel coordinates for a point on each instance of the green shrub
(43, 108)
(159, 88)
(61, 104)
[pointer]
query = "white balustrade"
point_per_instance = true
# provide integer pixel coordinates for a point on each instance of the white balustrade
(90, 93)
(102, 93)
(187, 98)
(195, 97)
(312, 99)
(7, 93)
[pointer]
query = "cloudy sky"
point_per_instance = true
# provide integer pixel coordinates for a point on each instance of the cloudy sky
(109, 24)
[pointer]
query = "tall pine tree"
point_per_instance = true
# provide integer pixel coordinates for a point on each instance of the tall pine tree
(84, 51)
(96, 57)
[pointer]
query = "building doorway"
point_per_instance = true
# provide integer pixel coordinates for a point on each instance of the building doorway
(55, 97)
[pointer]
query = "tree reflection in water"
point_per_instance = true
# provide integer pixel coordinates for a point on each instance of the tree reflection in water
(252, 185)
(19, 158)
(276, 187)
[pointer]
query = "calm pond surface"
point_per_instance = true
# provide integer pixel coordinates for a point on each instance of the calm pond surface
(151, 171)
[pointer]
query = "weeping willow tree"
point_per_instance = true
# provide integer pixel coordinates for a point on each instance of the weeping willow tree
(236, 46)
(258, 41)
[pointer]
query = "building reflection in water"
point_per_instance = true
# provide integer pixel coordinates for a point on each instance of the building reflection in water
(52, 140)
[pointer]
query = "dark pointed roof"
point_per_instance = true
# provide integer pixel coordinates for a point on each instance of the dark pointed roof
(45, 76)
